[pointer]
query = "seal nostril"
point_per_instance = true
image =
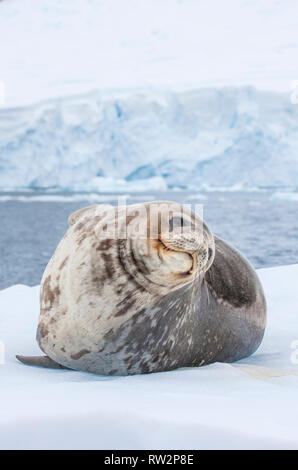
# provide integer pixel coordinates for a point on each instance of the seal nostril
(210, 253)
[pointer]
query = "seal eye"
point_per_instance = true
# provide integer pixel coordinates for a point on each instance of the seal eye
(178, 222)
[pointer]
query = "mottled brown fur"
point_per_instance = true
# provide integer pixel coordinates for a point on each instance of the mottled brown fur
(80, 354)
(127, 306)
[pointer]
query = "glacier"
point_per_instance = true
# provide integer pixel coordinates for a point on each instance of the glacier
(152, 124)
(152, 139)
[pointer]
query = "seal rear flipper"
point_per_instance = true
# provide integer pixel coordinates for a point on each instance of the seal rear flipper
(40, 361)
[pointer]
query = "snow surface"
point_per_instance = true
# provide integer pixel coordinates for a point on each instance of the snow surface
(251, 404)
(51, 48)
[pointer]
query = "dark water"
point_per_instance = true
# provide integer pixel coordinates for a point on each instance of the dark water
(266, 231)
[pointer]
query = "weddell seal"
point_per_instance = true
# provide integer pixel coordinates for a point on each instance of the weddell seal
(146, 288)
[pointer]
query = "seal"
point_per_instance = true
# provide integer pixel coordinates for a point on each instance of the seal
(146, 288)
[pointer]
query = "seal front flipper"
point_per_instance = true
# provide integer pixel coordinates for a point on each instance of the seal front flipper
(40, 361)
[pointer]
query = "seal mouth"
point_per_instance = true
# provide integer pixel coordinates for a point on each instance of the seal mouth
(197, 247)
(168, 249)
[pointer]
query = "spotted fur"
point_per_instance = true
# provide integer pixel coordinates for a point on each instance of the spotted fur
(120, 306)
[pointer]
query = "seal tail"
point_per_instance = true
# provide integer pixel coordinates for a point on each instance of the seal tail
(40, 361)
